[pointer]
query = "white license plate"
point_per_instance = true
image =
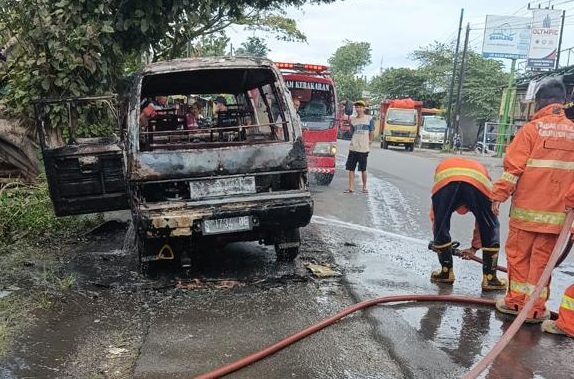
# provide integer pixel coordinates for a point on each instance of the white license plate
(222, 187)
(226, 225)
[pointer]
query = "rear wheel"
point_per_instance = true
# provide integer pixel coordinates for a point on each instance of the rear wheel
(324, 179)
(287, 245)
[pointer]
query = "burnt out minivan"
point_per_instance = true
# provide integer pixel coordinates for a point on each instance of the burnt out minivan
(209, 150)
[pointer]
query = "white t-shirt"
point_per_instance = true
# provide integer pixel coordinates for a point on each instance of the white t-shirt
(361, 128)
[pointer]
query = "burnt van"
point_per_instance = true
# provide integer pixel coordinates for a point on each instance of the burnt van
(207, 150)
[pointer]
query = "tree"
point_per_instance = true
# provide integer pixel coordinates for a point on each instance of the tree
(395, 83)
(347, 63)
(209, 19)
(63, 48)
(254, 47)
(209, 46)
(483, 79)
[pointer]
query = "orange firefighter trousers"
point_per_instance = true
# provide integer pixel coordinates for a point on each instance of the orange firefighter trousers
(566, 313)
(527, 254)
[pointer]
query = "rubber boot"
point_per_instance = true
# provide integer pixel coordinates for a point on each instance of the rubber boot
(445, 274)
(489, 280)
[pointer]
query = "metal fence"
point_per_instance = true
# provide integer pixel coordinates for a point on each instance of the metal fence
(495, 138)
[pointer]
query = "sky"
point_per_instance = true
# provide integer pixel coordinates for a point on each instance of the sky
(395, 29)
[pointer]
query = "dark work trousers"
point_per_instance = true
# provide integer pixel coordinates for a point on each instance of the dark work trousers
(454, 195)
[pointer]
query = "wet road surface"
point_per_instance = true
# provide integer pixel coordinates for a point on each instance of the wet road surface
(238, 300)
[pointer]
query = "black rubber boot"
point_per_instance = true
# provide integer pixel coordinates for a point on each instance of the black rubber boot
(489, 280)
(445, 274)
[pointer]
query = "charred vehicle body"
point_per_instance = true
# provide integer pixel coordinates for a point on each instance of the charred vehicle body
(187, 177)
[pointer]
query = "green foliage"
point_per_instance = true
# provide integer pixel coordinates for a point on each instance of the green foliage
(347, 63)
(68, 48)
(27, 211)
(58, 49)
(210, 46)
(254, 47)
(394, 83)
(351, 58)
(350, 87)
(482, 85)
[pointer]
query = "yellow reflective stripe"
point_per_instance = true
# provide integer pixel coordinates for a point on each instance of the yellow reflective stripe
(442, 246)
(526, 289)
(548, 163)
(519, 287)
(459, 171)
(567, 303)
(491, 249)
(551, 218)
(509, 177)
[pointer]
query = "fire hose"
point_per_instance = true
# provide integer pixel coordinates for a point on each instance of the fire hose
(559, 253)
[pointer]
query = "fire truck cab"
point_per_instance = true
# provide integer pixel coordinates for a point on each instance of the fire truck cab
(313, 88)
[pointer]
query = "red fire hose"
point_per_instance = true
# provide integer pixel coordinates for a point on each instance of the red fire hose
(272, 349)
(560, 251)
(557, 252)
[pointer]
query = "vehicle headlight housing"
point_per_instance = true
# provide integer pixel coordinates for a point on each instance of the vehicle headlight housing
(325, 149)
(425, 136)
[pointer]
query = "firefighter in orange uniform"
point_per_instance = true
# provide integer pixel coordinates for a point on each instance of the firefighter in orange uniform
(538, 170)
(565, 323)
(464, 185)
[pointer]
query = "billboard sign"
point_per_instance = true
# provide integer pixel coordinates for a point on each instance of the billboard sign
(506, 37)
(545, 34)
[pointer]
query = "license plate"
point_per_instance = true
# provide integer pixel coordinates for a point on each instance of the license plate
(222, 187)
(226, 225)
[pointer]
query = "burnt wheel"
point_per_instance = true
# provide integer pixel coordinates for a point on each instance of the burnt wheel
(287, 245)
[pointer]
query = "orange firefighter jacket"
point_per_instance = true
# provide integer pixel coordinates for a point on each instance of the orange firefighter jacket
(538, 170)
(458, 169)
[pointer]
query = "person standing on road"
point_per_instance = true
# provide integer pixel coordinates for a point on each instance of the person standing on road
(362, 131)
(565, 322)
(538, 170)
(462, 185)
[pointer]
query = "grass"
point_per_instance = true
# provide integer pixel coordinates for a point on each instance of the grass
(31, 252)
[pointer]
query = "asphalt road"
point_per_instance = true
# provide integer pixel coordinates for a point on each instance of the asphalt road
(238, 300)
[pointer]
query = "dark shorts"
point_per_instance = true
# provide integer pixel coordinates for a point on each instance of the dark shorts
(355, 158)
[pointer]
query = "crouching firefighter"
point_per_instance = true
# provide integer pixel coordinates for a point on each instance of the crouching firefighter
(464, 185)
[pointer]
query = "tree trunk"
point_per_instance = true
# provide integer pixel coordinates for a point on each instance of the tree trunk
(19, 149)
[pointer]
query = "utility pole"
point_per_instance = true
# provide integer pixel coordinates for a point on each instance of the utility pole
(560, 40)
(448, 117)
(460, 80)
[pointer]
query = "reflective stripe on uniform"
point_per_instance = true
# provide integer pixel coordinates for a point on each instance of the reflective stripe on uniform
(526, 289)
(459, 171)
(491, 249)
(548, 163)
(509, 177)
(567, 303)
(519, 287)
(551, 218)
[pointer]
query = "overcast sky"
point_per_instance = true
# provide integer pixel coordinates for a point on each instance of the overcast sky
(396, 28)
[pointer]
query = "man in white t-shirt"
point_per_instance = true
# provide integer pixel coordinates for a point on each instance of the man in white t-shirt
(362, 130)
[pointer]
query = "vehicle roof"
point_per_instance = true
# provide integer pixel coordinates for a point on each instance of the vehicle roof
(207, 75)
(184, 64)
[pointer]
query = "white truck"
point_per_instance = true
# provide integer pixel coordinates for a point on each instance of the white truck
(432, 132)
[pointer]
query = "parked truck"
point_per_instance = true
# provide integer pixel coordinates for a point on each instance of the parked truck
(186, 184)
(400, 123)
(433, 128)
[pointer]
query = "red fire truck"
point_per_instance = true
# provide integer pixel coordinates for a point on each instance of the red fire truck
(314, 87)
